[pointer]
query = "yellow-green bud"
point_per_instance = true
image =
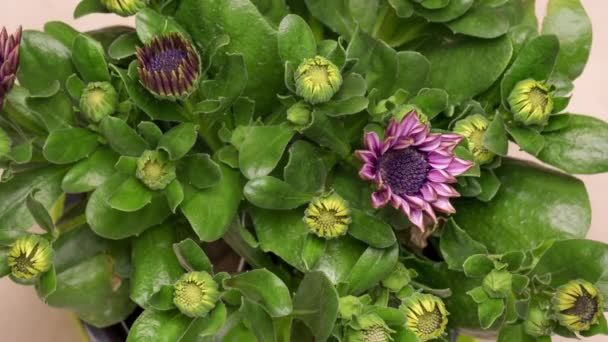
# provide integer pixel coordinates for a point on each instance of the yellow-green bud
(124, 8)
(538, 323)
(299, 114)
(531, 103)
(98, 100)
(29, 257)
(350, 306)
(578, 305)
(473, 128)
(196, 293)
(426, 316)
(369, 328)
(399, 278)
(317, 80)
(155, 170)
(328, 216)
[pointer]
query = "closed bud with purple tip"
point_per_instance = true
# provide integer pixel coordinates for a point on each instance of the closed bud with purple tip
(9, 61)
(169, 67)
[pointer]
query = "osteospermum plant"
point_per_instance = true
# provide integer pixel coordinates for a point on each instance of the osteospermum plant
(295, 171)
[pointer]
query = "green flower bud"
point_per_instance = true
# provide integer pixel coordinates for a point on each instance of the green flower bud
(155, 170)
(124, 8)
(317, 80)
(426, 316)
(402, 111)
(29, 257)
(531, 103)
(196, 293)
(369, 328)
(98, 100)
(538, 323)
(350, 306)
(474, 128)
(328, 216)
(578, 305)
(299, 114)
(399, 278)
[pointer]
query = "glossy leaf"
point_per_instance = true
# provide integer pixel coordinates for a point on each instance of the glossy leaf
(89, 59)
(122, 138)
(192, 257)
(200, 171)
(489, 185)
(265, 288)
(262, 149)
(124, 46)
(54, 111)
(90, 173)
(327, 133)
(528, 139)
(456, 246)
(150, 132)
(495, 139)
(431, 101)
(489, 311)
(306, 170)
(226, 87)
(333, 14)
(179, 140)
(211, 210)
(371, 230)
(87, 7)
(453, 10)
(579, 147)
(40, 214)
(296, 40)
(68, 145)
(62, 32)
(316, 304)
(175, 195)
(206, 326)
(258, 321)
(482, 21)
(158, 326)
(373, 266)
(150, 24)
(130, 195)
(272, 193)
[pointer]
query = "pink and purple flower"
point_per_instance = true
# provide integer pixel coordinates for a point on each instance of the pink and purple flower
(413, 168)
(9, 61)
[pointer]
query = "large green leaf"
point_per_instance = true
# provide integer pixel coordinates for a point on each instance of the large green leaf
(89, 59)
(374, 265)
(258, 321)
(154, 263)
(579, 147)
(371, 230)
(466, 68)
(114, 224)
(151, 24)
(211, 210)
(482, 21)
(250, 35)
(265, 288)
(568, 20)
(122, 138)
(158, 326)
(453, 10)
(179, 140)
(534, 204)
(55, 111)
(334, 14)
(316, 304)
(339, 258)
(272, 193)
(456, 246)
(43, 61)
(68, 145)
(296, 40)
(306, 168)
(90, 173)
(262, 149)
(15, 219)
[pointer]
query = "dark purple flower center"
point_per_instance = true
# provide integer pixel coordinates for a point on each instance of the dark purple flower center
(585, 307)
(168, 60)
(404, 171)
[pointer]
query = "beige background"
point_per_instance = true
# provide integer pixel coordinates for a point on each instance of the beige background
(25, 318)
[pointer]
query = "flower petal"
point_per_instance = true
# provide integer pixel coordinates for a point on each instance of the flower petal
(440, 160)
(381, 197)
(394, 129)
(367, 156)
(459, 166)
(440, 176)
(444, 190)
(368, 172)
(428, 193)
(372, 142)
(443, 204)
(415, 201)
(431, 143)
(410, 123)
(416, 218)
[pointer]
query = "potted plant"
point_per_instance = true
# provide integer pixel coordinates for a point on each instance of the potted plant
(236, 170)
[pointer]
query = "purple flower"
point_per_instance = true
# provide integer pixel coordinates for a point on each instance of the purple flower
(9, 60)
(412, 168)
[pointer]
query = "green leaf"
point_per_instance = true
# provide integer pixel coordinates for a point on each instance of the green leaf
(316, 304)
(55, 111)
(489, 185)
(192, 257)
(4, 268)
(156, 109)
(124, 46)
(228, 84)
(340, 257)
(211, 210)
(489, 311)
(313, 249)
(371, 230)
(175, 195)
(150, 132)
(89, 59)
(578, 147)
(17, 109)
(200, 171)
(258, 321)
(536, 61)
(456, 246)
(296, 40)
(282, 233)
(159, 326)
(477, 266)
(348, 106)
(600, 328)
(150, 24)
(62, 32)
(455, 9)
(497, 283)
(206, 326)
(89, 6)
(250, 36)
(40, 214)
(528, 139)
(179, 140)
(306, 170)
(495, 139)
(47, 284)
(42, 61)
(68, 145)
(482, 21)
(373, 266)
(74, 86)
(574, 38)
(262, 149)
(130, 195)
(114, 224)
(154, 263)
(467, 68)
(334, 14)
(516, 220)
(15, 218)
(272, 193)
(265, 288)
(431, 101)
(510, 333)
(122, 138)
(327, 133)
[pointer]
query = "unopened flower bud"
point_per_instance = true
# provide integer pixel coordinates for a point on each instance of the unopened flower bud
(124, 8)
(155, 170)
(317, 80)
(196, 293)
(399, 278)
(30, 256)
(98, 100)
(9, 61)
(538, 323)
(328, 216)
(299, 114)
(426, 316)
(531, 103)
(473, 128)
(578, 305)
(370, 328)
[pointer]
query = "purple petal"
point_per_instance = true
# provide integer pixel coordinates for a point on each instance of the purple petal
(450, 141)
(368, 172)
(394, 129)
(444, 190)
(428, 193)
(440, 176)
(459, 166)
(381, 197)
(402, 143)
(443, 204)
(387, 144)
(410, 122)
(416, 218)
(372, 142)
(367, 156)
(415, 201)
(404, 207)
(430, 212)
(431, 143)
(440, 160)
